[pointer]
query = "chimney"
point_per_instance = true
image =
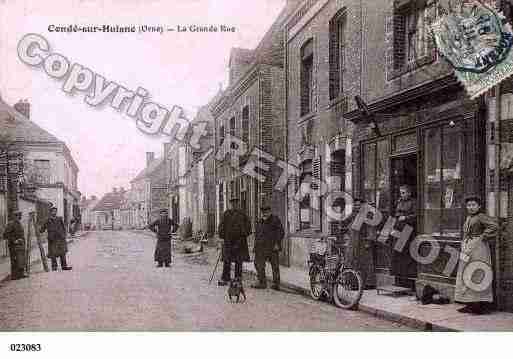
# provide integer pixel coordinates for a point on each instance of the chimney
(114, 190)
(23, 107)
(167, 150)
(150, 156)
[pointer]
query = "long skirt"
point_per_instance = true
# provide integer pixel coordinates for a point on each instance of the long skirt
(474, 278)
(163, 251)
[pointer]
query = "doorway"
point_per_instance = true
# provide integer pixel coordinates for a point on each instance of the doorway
(404, 172)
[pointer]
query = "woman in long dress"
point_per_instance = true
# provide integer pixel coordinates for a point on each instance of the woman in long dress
(475, 271)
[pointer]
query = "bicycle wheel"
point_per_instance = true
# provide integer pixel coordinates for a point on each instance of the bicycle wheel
(348, 289)
(316, 282)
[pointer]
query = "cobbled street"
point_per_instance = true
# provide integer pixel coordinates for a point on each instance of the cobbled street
(114, 285)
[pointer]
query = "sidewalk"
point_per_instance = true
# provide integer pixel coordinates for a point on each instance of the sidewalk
(35, 256)
(405, 310)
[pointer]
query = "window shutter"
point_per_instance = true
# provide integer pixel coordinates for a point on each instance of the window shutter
(334, 82)
(316, 172)
(399, 40)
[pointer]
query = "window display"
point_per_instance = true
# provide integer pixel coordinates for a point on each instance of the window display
(443, 181)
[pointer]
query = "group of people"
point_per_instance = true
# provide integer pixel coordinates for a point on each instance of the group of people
(235, 227)
(14, 234)
(479, 231)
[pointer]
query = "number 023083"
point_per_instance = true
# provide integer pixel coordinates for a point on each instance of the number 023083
(25, 347)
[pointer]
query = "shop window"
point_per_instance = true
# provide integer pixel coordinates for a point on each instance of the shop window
(337, 28)
(306, 77)
(443, 181)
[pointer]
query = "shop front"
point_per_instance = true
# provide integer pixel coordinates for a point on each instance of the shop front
(430, 143)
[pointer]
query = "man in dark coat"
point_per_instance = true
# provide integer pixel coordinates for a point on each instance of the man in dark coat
(57, 246)
(233, 229)
(163, 226)
(269, 234)
(15, 237)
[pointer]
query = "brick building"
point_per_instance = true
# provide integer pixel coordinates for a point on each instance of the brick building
(323, 66)
(252, 110)
(429, 135)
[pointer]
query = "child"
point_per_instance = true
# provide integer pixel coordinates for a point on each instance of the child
(475, 274)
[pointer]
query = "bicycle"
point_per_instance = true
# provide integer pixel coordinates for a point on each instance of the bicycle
(330, 277)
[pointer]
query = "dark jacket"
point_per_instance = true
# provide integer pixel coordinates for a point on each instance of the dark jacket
(268, 233)
(163, 228)
(14, 231)
(234, 228)
(57, 245)
(407, 208)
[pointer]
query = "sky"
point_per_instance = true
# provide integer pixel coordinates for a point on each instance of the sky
(183, 69)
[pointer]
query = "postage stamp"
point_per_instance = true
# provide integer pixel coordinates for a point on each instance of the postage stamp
(476, 41)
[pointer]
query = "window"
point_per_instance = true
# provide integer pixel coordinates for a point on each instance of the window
(411, 42)
(337, 54)
(305, 179)
(306, 77)
(221, 136)
(233, 145)
(245, 125)
(443, 181)
(42, 171)
(232, 126)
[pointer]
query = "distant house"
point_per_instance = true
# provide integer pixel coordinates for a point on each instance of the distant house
(149, 191)
(107, 211)
(86, 211)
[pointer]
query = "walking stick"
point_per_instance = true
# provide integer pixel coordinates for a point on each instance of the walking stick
(28, 245)
(215, 267)
(44, 260)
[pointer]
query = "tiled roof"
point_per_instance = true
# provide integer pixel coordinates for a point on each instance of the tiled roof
(149, 170)
(19, 128)
(111, 201)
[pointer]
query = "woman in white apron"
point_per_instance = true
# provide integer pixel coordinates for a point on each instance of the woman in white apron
(475, 271)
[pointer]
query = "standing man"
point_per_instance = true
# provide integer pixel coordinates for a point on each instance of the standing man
(15, 237)
(163, 226)
(233, 229)
(268, 244)
(57, 246)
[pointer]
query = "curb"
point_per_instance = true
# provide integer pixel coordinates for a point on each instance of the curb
(37, 260)
(378, 313)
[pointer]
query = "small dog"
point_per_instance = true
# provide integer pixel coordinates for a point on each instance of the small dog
(236, 291)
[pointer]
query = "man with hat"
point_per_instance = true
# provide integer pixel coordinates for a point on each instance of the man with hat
(268, 244)
(57, 246)
(15, 237)
(234, 229)
(163, 226)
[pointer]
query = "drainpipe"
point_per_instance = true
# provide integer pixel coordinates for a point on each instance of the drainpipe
(286, 151)
(497, 189)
